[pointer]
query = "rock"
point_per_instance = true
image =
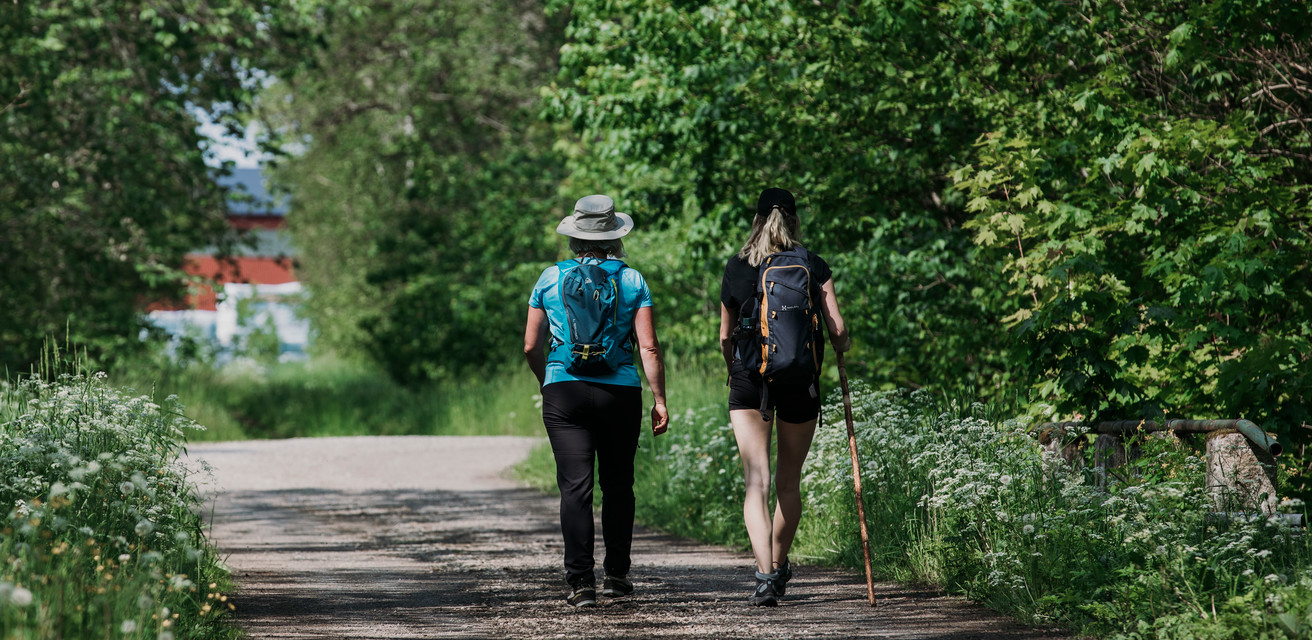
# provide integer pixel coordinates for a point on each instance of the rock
(1240, 477)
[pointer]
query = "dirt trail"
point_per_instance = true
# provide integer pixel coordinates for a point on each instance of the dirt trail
(424, 537)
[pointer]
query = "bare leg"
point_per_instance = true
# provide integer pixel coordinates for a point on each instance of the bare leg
(794, 444)
(753, 436)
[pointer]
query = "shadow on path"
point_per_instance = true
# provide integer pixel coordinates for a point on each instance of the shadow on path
(365, 563)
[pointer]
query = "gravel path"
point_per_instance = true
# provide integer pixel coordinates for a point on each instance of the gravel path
(424, 537)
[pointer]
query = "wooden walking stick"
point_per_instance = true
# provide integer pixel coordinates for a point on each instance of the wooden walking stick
(856, 476)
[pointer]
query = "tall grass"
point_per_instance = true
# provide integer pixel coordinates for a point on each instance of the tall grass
(102, 533)
(964, 497)
(329, 397)
(961, 495)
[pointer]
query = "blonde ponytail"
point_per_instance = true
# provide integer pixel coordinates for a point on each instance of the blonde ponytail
(770, 234)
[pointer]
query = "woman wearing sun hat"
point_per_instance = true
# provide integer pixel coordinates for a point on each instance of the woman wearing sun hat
(755, 405)
(591, 393)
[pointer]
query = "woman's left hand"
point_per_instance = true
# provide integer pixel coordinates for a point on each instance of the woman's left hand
(660, 419)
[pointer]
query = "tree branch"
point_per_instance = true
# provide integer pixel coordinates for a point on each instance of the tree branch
(1282, 123)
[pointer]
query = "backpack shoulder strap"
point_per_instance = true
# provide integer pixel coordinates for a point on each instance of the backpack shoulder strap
(613, 267)
(760, 273)
(799, 252)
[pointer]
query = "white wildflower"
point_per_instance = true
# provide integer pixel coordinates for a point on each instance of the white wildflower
(20, 597)
(1027, 529)
(144, 527)
(126, 487)
(128, 626)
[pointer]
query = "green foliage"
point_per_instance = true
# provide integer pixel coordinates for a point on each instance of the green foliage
(687, 110)
(261, 341)
(103, 185)
(1149, 207)
(423, 205)
(102, 532)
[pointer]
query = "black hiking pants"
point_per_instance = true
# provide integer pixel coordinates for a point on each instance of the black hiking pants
(586, 421)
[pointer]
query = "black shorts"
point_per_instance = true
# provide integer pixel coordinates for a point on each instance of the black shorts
(792, 403)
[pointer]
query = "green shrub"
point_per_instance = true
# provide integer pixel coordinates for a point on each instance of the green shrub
(103, 534)
(960, 498)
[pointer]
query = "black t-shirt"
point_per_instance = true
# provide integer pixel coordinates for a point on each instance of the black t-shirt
(739, 283)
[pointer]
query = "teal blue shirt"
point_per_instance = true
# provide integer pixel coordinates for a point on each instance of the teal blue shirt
(633, 295)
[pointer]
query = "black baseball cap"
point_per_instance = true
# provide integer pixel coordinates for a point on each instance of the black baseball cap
(776, 197)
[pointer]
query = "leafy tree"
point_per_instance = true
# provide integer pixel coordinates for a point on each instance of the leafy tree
(1148, 201)
(103, 182)
(690, 109)
(423, 200)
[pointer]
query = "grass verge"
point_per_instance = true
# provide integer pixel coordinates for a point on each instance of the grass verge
(329, 397)
(103, 536)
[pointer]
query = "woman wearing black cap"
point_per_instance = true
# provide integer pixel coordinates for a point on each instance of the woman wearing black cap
(756, 396)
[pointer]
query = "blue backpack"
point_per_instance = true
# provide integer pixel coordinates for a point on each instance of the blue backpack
(590, 293)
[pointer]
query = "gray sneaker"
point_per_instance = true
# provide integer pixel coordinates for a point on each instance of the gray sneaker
(763, 595)
(783, 573)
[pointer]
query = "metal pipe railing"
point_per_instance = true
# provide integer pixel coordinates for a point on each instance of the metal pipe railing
(1255, 435)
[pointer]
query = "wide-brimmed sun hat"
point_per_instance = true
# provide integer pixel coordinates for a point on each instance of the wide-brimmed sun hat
(595, 218)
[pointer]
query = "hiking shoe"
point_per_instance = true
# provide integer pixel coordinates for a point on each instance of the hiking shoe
(616, 587)
(584, 595)
(763, 595)
(783, 573)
